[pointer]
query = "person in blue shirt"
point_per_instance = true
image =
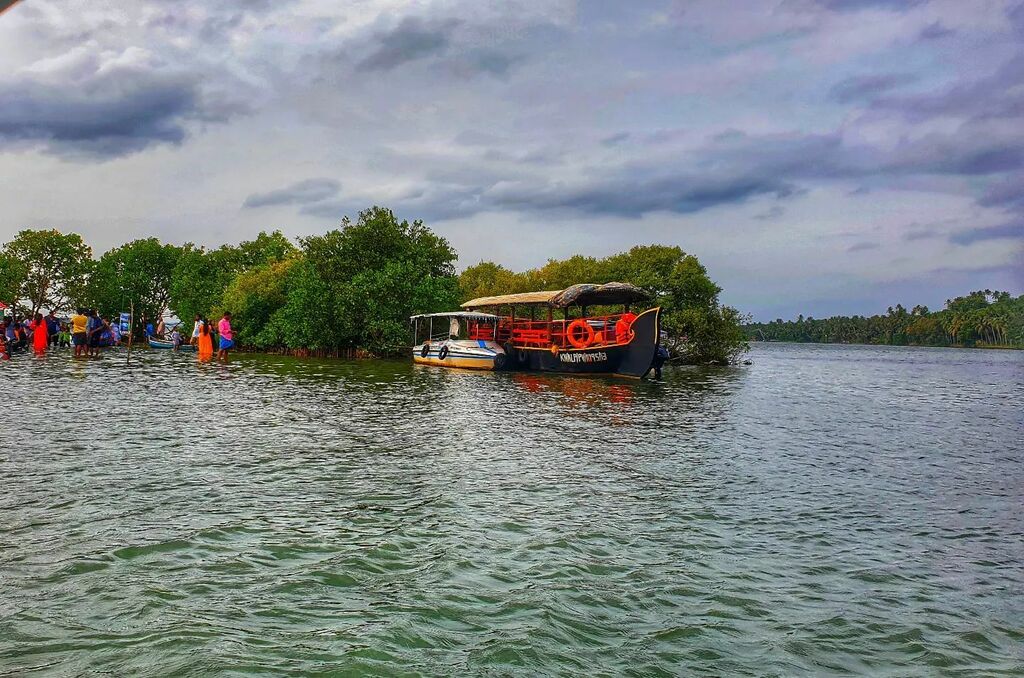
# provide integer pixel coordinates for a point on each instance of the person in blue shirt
(95, 328)
(53, 328)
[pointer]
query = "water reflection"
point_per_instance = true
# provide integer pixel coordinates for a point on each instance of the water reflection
(577, 391)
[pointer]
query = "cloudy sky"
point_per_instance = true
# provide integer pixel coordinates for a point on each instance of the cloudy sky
(819, 156)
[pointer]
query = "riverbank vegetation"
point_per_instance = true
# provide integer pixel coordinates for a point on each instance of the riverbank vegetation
(980, 319)
(347, 291)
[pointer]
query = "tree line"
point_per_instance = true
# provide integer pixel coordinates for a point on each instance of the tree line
(984, 318)
(348, 290)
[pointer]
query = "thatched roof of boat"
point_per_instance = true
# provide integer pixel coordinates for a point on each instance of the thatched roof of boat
(462, 315)
(584, 294)
(589, 294)
(513, 299)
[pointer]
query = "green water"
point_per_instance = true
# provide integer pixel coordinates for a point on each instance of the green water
(824, 511)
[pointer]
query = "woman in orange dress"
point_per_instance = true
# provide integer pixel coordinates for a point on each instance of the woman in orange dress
(39, 337)
(205, 341)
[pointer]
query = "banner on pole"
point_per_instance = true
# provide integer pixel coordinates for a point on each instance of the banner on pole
(126, 322)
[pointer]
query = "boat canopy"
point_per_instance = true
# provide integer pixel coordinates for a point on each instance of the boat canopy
(462, 315)
(583, 294)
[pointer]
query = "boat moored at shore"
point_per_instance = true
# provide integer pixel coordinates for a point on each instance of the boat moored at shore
(526, 329)
(443, 340)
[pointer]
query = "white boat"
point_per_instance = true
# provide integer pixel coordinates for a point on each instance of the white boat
(459, 339)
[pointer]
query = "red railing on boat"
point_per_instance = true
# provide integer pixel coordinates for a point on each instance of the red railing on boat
(607, 330)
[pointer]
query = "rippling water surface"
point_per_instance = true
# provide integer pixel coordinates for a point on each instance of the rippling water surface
(826, 510)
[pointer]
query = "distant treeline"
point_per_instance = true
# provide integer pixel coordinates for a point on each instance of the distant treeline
(351, 289)
(983, 319)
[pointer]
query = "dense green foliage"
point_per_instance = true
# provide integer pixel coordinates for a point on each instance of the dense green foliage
(983, 318)
(200, 277)
(46, 269)
(138, 273)
(702, 330)
(351, 288)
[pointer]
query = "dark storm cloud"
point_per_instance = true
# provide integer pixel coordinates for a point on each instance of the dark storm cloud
(918, 232)
(1007, 193)
(935, 31)
(1000, 95)
(868, 86)
(615, 139)
(412, 39)
(108, 115)
(1012, 230)
(488, 61)
(300, 193)
(628, 196)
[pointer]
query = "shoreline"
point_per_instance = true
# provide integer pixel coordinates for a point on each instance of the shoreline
(837, 343)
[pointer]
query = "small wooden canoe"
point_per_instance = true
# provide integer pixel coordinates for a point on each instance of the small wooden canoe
(159, 343)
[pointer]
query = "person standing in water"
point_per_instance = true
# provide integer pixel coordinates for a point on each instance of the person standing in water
(205, 340)
(52, 327)
(79, 336)
(226, 337)
(195, 329)
(40, 338)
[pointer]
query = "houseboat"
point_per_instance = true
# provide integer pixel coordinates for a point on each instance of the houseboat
(583, 329)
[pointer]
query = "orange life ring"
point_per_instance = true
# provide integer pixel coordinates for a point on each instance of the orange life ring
(574, 330)
(623, 328)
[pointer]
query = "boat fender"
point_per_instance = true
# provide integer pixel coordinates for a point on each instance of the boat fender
(499, 361)
(443, 353)
(580, 333)
(425, 350)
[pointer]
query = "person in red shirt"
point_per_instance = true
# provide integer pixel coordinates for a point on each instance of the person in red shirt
(40, 339)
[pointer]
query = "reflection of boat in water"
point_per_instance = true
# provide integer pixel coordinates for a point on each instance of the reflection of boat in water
(583, 390)
(611, 341)
(447, 342)
(160, 343)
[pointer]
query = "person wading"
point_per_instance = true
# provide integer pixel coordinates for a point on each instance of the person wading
(40, 338)
(226, 337)
(205, 340)
(79, 336)
(53, 328)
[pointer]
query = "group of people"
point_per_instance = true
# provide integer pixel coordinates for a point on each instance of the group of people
(40, 332)
(202, 336)
(89, 332)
